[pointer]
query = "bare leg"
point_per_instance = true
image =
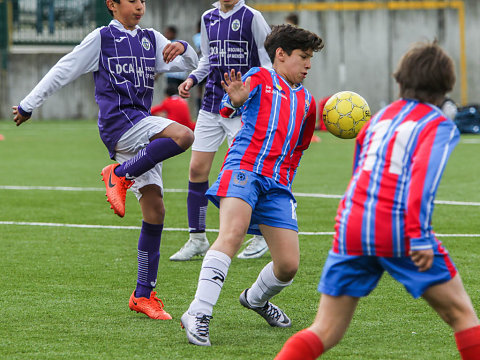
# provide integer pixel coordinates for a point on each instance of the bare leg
(234, 220)
(200, 165)
(333, 318)
(452, 303)
(285, 251)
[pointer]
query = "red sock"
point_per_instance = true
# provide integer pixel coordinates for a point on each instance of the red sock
(468, 343)
(304, 345)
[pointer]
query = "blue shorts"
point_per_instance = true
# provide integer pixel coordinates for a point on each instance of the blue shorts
(357, 276)
(273, 204)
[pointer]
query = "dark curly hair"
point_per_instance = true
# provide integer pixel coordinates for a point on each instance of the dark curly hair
(289, 38)
(425, 73)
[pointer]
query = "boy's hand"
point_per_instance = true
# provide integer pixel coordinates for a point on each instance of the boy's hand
(19, 118)
(235, 88)
(423, 259)
(184, 88)
(172, 50)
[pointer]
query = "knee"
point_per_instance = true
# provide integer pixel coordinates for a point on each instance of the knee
(459, 317)
(286, 271)
(156, 213)
(198, 170)
(184, 138)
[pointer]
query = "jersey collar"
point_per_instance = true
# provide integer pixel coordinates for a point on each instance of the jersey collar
(120, 27)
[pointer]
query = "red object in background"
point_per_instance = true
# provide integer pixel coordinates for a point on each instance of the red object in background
(176, 109)
(321, 104)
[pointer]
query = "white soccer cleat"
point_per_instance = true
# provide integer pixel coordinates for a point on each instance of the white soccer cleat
(270, 312)
(197, 244)
(256, 248)
(196, 328)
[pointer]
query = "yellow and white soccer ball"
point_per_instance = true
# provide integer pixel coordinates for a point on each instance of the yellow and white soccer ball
(345, 113)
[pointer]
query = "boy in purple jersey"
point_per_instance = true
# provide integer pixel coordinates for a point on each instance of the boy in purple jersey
(400, 157)
(232, 37)
(124, 59)
(253, 189)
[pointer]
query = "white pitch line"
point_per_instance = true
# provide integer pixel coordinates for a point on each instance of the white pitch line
(120, 227)
(68, 188)
(309, 195)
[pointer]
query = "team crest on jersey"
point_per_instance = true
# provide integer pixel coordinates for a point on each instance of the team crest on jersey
(240, 178)
(235, 25)
(146, 43)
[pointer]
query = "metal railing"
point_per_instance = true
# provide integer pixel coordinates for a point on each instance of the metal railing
(54, 22)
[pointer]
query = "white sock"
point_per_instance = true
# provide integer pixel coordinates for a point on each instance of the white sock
(200, 237)
(265, 287)
(210, 282)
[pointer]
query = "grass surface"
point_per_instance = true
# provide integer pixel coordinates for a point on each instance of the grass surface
(65, 290)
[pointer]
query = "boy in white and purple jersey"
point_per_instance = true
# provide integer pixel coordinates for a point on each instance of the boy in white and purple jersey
(253, 189)
(124, 59)
(232, 37)
(384, 219)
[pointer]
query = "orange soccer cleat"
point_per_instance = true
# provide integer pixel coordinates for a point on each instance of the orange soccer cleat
(152, 307)
(116, 189)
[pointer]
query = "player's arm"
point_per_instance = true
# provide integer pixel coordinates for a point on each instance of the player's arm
(260, 31)
(203, 66)
(305, 135)
(174, 56)
(238, 91)
(81, 60)
(435, 144)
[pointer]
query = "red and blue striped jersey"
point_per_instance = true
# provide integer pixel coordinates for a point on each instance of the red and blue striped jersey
(277, 125)
(400, 156)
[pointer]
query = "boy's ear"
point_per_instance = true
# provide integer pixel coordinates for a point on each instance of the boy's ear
(280, 54)
(110, 4)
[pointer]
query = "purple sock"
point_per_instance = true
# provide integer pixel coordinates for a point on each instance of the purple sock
(197, 206)
(155, 152)
(148, 257)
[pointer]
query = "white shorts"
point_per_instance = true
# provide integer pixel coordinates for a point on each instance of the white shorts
(211, 130)
(135, 139)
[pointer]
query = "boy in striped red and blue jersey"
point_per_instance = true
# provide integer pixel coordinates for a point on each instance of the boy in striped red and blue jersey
(232, 37)
(254, 187)
(124, 59)
(384, 219)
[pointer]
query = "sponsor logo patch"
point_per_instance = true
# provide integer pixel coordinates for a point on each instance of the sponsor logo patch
(241, 178)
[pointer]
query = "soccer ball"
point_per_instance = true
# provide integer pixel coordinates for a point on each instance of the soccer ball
(345, 113)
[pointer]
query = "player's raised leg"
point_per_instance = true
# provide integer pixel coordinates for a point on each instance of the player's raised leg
(197, 203)
(173, 140)
(453, 304)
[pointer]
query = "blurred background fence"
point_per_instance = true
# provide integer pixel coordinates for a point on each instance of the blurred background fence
(54, 22)
(364, 40)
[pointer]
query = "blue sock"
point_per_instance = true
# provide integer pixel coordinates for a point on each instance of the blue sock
(197, 204)
(154, 153)
(148, 258)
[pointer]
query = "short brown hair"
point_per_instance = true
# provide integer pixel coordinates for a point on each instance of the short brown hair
(110, 11)
(425, 73)
(289, 38)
